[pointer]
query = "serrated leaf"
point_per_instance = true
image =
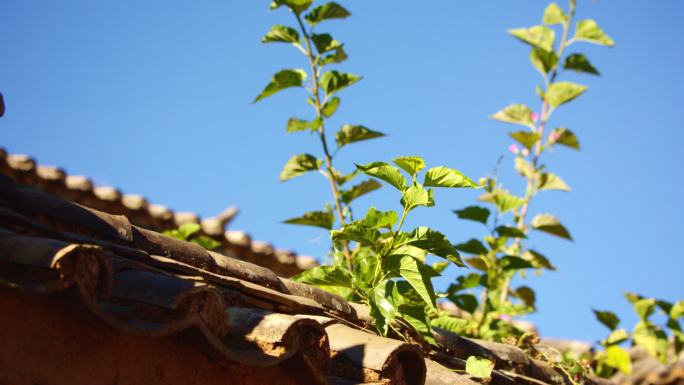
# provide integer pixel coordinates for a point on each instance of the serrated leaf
(515, 114)
(347, 196)
(296, 124)
(479, 367)
(503, 200)
(589, 31)
(543, 61)
(297, 6)
(434, 243)
(579, 63)
(564, 137)
(510, 232)
(325, 276)
(526, 138)
(415, 196)
(380, 219)
(539, 36)
(550, 224)
(356, 232)
(281, 34)
(414, 273)
(447, 177)
(563, 92)
(471, 246)
(298, 165)
(324, 42)
(474, 213)
(281, 80)
(450, 323)
(334, 81)
(410, 164)
(607, 318)
(324, 219)
(415, 315)
(553, 14)
(330, 107)
(618, 358)
(386, 172)
(383, 299)
(551, 181)
(353, 133)
(327, 11)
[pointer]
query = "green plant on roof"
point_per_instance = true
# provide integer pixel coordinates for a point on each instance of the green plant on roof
(374, 259)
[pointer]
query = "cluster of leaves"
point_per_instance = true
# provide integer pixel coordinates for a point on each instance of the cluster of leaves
(649, 336)
(503, 253)
(374, 261)
(191, 232)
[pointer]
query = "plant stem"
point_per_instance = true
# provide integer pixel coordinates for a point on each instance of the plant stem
(321, 133)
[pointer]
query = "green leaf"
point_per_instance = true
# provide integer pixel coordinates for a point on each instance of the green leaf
(297, 6)
(325, 276)
(510, 232)
(333, 81)
(352, 133)
(336, 57)
(327, 11)
(380, 219)
(298, 165)
(644, 308)
(563, 92)
(537, 260)
(479, 367)
(469, 281)
(579, 63)
(415, 196)
(653, 341)
(515, 114)
(413, 271)
(503, 200)
(551, 181)
(472, 246)
(410, 164)
(324, 219)
(281, 34)
(206, 242)
(467, 302)
(550, 224)
(295, 124)
(330, 107)
(281, 80)
(386, 172)
(478, 262)
(527, 295)
(415, 315)
(618, 358)
(538, 36)
(184, 231)
(677, 310)
(564, 137)
(447, 177)
(435, 243)
(524, 167)
(474, 213)
(383, 299)
(526, 138)
(450, 323)
(544, 61)
(356, 232)
(440, 266)
(511, 262)
(589, 31)
(553, 14)
(607, 318)
(342, 179)
(347, 196)
(616, 337)
(325, 43)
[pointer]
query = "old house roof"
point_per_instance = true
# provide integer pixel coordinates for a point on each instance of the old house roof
(139, 282)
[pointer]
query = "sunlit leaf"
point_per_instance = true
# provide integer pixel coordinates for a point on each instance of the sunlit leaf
(414, 272)
(295, 124)
(356, 232)
(589, 31)
(503, 200)
(479, 367)
(324, 219)
(410, 164)
(510, 232)
(330, 107)
(527, 138)
(333, 81)
(550, 224)
(325, 276)
(543, 61)
(327, 11)
(347, 196)
(564, 137)
(525, 168)
(435, 243)
(298, 165)
(384, 171)
(551, 181)
(415, 196)
(618, 358)
(474, 213)
(324, 42)
(563, 92)
(553, 14)
(281, 80)
(380, 219)
(297, 6)
(353, 133)
(515, 114)
(447, 177)
(537, 259)
(579, 63)
(538, 36)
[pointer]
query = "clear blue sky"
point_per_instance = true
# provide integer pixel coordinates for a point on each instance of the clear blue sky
(154, 97)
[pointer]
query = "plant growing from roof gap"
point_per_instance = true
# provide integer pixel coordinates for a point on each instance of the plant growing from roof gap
(375, 261)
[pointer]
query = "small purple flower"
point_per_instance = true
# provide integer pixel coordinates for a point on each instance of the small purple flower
(514, 149)
(534, 116)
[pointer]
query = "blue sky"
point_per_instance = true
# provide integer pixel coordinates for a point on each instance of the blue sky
(154, 98)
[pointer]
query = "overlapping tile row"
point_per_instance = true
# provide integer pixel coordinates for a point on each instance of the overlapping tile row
(25, 170)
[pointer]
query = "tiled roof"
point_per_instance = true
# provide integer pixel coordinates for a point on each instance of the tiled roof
(140, 282)
(80, 189)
